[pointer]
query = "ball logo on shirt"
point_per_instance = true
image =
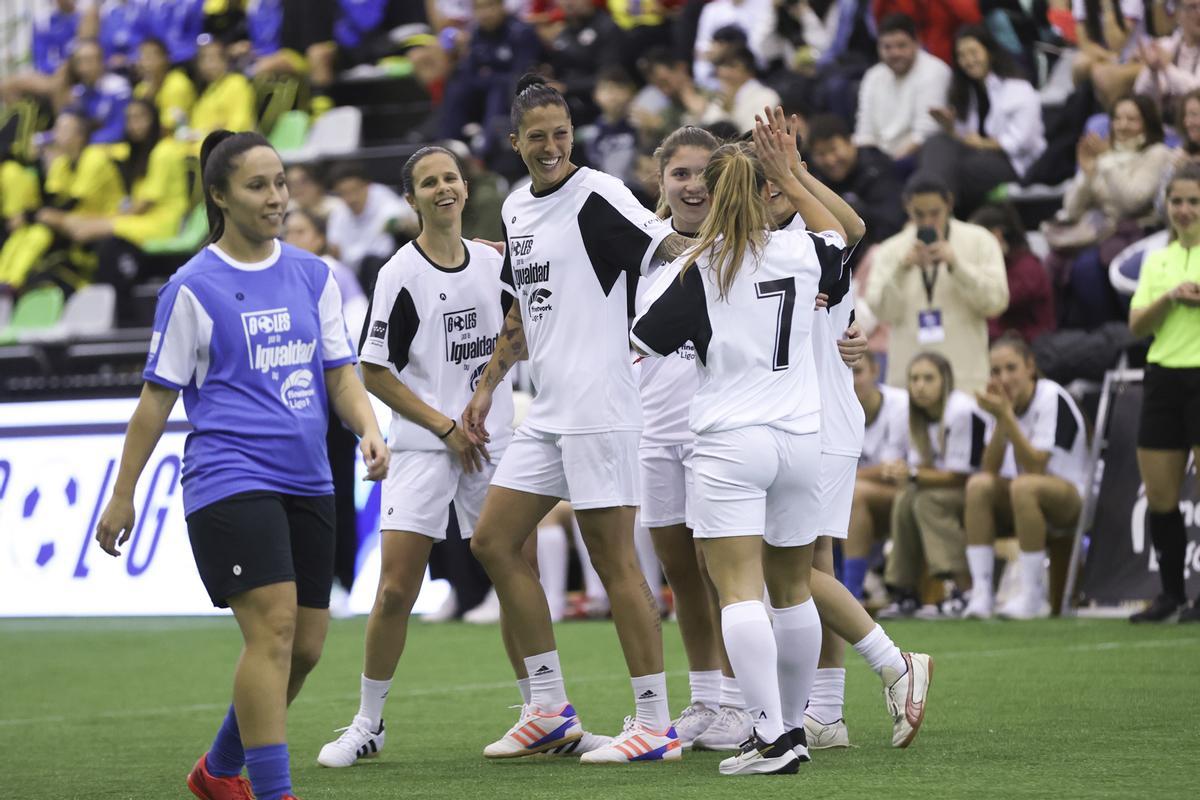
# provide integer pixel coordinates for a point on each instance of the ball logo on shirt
(297, 390)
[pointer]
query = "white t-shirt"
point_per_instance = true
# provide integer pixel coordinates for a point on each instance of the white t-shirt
(436, 329)
(893, 112)
(357, 236)
(569, 250)
(886, 437)
(1053, 424)
(957, 441)
(753, 346)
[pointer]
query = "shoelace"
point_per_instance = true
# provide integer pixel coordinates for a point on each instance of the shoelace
(728, 717)
(693, 710)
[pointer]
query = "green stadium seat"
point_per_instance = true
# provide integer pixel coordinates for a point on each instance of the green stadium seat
(195, 228)
(290, 131)
(37, 309)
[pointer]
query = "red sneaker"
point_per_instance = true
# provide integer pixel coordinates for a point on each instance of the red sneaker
(207, 786)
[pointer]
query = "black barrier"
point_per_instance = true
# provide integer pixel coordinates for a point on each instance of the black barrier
(1120, 559)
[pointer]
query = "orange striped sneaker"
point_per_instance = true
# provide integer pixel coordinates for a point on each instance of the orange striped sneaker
(207, 786)
(537, 732)
(637, 743)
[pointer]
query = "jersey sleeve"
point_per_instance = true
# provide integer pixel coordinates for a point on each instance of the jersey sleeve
(506, 273)
(832, 254)
(619, 234)
(675, 313)
(392, 323)
(1149, 286)
(179, 343)
(966, 437)
(336, 349)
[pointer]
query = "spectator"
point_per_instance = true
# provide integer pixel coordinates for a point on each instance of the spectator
(307, 231)
(885, 441)
(227, 99)
(54, 32)
(170, 89)
(645, 25)
(939, 21)
(1033, 476)
(1109, 32)
(741, 96)
(364, 234)
(1030, 311)
(992, 132)
(863, 176)
(613, 146)
(755, 17)
(669, 96)
(116, 24)
(501, 48)
(309, 192)
(1188, 127)
(178, 24)
(897, 94)
(936, 283)
(1109, 205)
(585, 43)
(1171, 66)
(100, 96)
(946, 438)
(356, 32)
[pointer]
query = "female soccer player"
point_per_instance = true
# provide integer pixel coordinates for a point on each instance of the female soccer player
(743, 296)
(251, 331)
(1033, 477)
(1167, 306)
(571, 236)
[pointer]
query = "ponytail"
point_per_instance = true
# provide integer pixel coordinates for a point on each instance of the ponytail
(738, 220)
(218, 160)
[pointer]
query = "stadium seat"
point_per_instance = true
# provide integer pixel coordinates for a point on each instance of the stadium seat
(90, 311)
(195, 228)
(290, 131)
(336, 132)
(6, 305)
(1126, 266)
(37, 309)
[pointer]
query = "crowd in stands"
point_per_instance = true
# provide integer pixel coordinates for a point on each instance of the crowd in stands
(946, 124)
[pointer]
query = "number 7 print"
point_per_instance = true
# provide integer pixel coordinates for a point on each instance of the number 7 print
(785, 290)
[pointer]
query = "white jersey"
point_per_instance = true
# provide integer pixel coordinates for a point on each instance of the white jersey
(842, 417)
(436, 329)
(754, 346)
(1053, 424)
(957, 441)
(886, 437)
(569, 249)
(666, 384)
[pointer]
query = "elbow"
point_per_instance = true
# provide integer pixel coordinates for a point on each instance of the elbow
(855, 231)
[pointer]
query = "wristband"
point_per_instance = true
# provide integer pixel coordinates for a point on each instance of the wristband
(453, 425)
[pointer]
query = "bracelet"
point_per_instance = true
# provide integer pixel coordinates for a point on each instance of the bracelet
(453, 425)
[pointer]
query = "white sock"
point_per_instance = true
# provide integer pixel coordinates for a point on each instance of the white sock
(1032, 567)
(752, 651)
(879, 651)
(798, 640)
(981, 558)
(552, 553)
(372, 696)
(593, 587)
(648, 561)
(827, 696)
(731, 693)
(706, 687)
(524, 688)
(546, 689)
(650, 697)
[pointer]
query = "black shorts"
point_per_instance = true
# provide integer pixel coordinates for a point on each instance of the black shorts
(258, 538)
(1170, 408)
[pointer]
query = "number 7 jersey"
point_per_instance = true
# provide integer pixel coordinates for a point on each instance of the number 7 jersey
(754, 346)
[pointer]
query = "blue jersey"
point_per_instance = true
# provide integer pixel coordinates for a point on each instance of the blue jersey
(358, 20)
(121, 28)
(177, 23)
(248, 345)
(53, 34)
(264, 25)
(104, 104)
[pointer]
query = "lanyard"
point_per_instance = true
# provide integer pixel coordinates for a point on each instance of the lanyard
(930, 281)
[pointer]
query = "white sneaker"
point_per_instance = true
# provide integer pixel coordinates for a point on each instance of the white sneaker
(339, 602)
(357, 741)
(487, 612)
(905, 695)
(727, 732)
(757, 757)
(1021, 608)
(584, 744)
(980, 606)
(537, 732)
(447, 611)
(636, 742)
(693, 721)
(903, 608)
(822, 736)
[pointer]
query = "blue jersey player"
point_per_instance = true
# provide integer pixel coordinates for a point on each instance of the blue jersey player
(251, 332)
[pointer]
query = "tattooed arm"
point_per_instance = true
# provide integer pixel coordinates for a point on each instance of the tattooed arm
(510, 348)
(673, 247)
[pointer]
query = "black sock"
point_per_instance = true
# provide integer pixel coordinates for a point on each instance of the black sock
(1170, 544)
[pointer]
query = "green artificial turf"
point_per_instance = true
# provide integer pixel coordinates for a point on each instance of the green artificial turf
(122, 708)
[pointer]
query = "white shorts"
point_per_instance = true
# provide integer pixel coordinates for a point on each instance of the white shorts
(419, 487)
(836, 487)
(591, 470)
(666, 475)
(757, 481)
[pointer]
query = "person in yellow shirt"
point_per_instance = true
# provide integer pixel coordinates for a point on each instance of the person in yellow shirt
(1166, 306)
(170, 90)
(81, 179)
(153, 171)
(228, 98)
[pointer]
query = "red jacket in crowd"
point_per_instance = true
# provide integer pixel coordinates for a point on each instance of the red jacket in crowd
(1030, 309)
(937, 20)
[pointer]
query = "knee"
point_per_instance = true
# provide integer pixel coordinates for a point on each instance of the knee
(396, 597)
(487, 549)
(305, 657)
(276, 634)
(1024, 489)
(981, 487)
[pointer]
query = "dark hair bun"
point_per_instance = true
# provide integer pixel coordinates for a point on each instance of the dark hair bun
(210, 143)
(530, 79)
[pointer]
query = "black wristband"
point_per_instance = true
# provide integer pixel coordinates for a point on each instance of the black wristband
(453, 425)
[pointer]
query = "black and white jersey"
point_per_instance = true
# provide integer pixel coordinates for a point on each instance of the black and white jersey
(753, 346)
(436, 329)
(886, 437)
(570, 248)
(957, 441)
(842, 417)
(1053, 424)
